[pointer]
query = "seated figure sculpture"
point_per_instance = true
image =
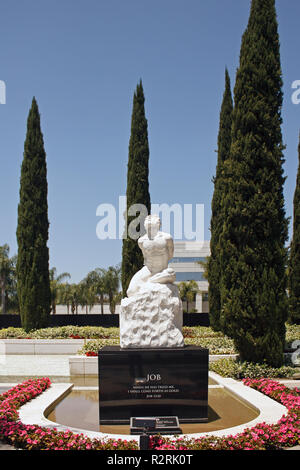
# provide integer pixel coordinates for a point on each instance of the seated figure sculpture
(151, 315)
(157, 248)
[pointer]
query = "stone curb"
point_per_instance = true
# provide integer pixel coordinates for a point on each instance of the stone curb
(270, 411)
(35, 410)
(40, 346)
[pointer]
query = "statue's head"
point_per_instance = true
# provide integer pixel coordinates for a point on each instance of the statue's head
(152, 225)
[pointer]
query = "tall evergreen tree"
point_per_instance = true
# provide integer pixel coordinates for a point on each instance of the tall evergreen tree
(217, 216)
(253, 254)
(32, 232)
(137, 187)
(294, 261)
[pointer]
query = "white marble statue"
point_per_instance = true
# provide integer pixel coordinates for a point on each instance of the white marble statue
(157, 248)
(151, 315)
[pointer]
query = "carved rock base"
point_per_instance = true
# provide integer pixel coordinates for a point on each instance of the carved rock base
(152, 318)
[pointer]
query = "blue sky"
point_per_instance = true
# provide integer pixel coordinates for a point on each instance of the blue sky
(82, 61)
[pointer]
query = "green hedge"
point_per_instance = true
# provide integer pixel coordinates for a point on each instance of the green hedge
(62, 332)
(206, 337)
(228, 367)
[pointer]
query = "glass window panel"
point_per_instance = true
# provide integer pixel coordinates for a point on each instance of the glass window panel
(198, 276)
(187, 259)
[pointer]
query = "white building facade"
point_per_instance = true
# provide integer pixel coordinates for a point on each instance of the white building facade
(186, 263)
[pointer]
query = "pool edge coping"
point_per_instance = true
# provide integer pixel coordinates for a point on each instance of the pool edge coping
(33, 413)
(270, 411)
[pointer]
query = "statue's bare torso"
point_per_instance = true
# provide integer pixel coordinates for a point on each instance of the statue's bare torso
(157, 252)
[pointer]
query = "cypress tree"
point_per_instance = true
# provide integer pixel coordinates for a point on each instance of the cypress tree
(294, 261)
(217, 217)
(137, 187)
(253, 254)
(32, 230)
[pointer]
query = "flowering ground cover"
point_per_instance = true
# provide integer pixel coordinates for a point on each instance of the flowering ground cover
(263, 436)
(98, 336)
(31, 437)
(285, 433)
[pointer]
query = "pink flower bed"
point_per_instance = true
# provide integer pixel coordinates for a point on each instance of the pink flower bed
(285, 433)
(31, 437)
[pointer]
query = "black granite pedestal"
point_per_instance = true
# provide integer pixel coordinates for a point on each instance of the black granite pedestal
(153, 382)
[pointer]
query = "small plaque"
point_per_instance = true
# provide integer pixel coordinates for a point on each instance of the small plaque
(167, 422)
(143, 423)
(158, 425)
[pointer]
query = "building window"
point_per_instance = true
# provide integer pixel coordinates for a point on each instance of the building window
(198, 276)
(192, 259)
(205, 297)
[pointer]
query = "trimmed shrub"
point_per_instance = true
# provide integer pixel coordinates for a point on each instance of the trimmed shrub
(227, 367)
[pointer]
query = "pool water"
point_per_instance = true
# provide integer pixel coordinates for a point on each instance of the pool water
(80, 409)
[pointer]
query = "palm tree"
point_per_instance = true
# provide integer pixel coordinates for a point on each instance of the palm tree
(87, 295)
(102, 283)
(74, 294)
(55, 281)
(96, 282)
(65, 295)
(7, 269)
(115, 301)
(187, 292)
(111, 285)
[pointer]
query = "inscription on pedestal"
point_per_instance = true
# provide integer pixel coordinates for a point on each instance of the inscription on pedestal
(152, 391)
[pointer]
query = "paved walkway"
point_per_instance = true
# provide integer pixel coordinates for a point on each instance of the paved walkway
(37, 365)
(290, 383)
(4, 446)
